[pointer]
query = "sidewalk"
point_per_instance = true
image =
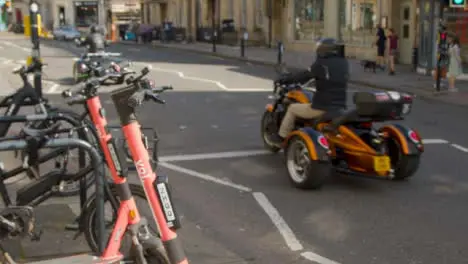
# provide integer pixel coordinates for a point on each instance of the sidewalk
(404, 80)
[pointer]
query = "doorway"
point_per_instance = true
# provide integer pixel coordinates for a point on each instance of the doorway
(406, 36)
(61, 15)
(163, 12)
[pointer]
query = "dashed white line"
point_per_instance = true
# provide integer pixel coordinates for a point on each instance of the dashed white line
(317, 258)
(216, 155)
(205, 177)
(53, 88)
(278, 221)
(7, 61)
(461, 148)
(435, 141)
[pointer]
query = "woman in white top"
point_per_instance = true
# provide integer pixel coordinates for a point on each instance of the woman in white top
(455, 65)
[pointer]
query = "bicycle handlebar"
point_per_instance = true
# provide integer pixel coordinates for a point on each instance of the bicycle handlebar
(24, 70)
(75, 95)
(148, 94)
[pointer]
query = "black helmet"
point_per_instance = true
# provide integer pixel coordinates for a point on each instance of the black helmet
(93, 29)
(327, 47)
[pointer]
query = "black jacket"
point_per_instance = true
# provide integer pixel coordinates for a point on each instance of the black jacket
(96, 42)
(331, 76)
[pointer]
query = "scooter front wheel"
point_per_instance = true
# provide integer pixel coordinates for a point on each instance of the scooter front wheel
(151, 255)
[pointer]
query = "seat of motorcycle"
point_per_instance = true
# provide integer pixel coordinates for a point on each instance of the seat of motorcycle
(326, 117)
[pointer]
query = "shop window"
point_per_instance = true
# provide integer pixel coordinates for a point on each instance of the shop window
(86, 13)
(457, 23)
(358, 21)
(308, 15)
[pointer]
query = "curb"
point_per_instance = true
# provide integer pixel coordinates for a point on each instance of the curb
(430, 96)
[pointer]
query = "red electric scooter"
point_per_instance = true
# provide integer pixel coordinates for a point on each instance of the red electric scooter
(164, 248)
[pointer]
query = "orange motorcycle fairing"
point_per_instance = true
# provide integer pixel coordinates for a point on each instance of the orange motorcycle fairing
(298, 96)
(359, 156)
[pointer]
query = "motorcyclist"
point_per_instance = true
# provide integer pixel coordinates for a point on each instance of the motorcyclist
(331, 73)
(95, 41)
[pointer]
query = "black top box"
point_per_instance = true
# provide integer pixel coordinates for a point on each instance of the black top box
(382, 105)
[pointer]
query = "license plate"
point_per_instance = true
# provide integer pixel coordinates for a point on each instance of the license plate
(382, 164)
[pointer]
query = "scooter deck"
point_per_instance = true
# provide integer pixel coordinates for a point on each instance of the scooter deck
(77, 259)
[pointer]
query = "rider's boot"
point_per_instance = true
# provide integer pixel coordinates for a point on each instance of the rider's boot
(277, 140)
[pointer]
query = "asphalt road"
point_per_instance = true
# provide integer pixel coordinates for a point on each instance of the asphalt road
(236, 202)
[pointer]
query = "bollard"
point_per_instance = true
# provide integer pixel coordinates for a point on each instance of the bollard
(415, 59)
(245, 36)
(280, 52)
(213, 40)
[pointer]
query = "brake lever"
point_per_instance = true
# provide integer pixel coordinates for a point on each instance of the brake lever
(155, 98)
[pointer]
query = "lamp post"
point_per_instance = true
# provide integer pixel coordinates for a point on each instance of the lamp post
(213, 25)
(35, 53)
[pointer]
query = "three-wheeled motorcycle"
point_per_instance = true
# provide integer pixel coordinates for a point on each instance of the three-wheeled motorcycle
(314, 150)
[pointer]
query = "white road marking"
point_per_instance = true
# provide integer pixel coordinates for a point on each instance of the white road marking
(435, 141)
(1, 47)
(204, 177)
(7, 61)
(278, 221)
(53, 88)
(317, 258)
(182, 75)
(216, 155)
(461, 148)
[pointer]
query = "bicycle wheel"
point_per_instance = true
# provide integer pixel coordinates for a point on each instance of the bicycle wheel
(69, 187)
(89, 223)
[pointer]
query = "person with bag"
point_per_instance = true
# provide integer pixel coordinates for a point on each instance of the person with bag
(455, 63)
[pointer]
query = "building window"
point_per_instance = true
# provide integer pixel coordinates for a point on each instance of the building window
(457, 23)
(308, 15)
(359, 22)
(258, 13)
(86, 13)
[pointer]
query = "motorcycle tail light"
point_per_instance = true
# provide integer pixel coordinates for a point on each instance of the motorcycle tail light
(366, 124)
(323, 142)
(414, 136)
(407, 98)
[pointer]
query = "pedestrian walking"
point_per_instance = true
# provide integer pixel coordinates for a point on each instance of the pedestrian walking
(455, 62)
(380, 43)
(392, 50)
